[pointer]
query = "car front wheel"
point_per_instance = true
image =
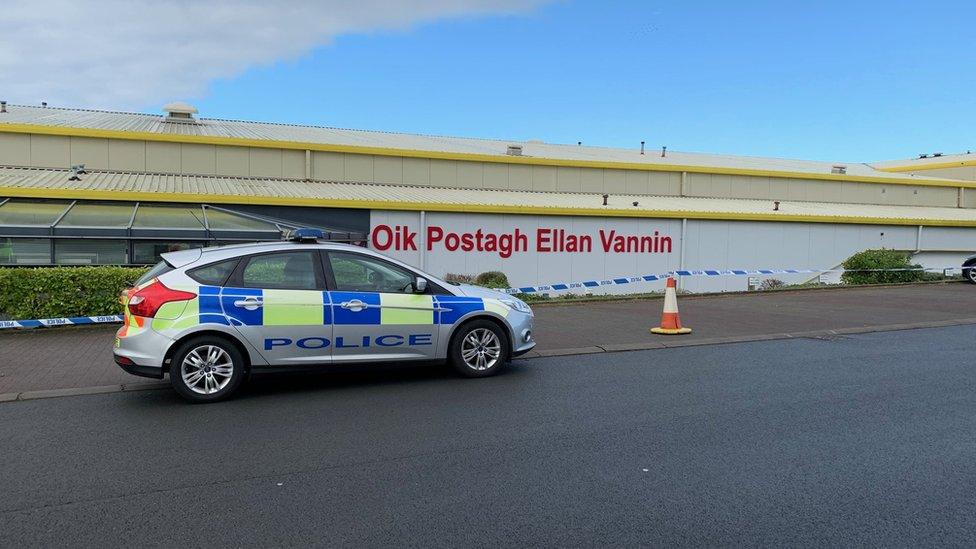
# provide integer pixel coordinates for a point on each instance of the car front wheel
(969, 273)
(206, 369)
(479, 349)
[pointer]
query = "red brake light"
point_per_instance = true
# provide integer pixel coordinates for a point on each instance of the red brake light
(147, 301)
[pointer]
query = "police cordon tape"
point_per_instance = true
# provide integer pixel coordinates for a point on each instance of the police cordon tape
(68, 321)
(560, 286)
(587, 284)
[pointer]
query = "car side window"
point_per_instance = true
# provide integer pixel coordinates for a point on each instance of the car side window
(214, 274)
(361, 273)
(285, 270)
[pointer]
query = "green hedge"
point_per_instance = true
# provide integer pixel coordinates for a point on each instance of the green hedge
(51, 292)
(880, 259)
(492, 279)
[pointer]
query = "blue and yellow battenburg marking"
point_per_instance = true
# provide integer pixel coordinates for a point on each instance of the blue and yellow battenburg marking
(215, 305)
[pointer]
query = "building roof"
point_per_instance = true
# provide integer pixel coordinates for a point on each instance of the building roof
(33, 182)
(930, 162)
(32, 119)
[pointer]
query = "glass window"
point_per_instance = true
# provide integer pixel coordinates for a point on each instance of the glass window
(97, 214)
(287, 270)
(85, 251)
(168, 217)
(159, 269)
(221, 220)
(214, 274)
(25, 251)
(150, 252)
(361, 273)
(32, 212)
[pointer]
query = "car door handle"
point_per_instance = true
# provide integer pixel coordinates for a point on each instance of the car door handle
(249, 303)
(353, 305)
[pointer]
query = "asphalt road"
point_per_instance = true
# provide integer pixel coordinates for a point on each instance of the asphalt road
(857, 440)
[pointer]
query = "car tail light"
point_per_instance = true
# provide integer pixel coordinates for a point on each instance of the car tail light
(147, 301)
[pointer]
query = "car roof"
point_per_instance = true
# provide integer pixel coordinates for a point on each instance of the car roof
(182, 258)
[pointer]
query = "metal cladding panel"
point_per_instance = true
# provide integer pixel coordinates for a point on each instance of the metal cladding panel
(92, 152)
(293, 164)
(126, 155)
(198, 159)
(357, 167)
(15, 149)
(233, 161)
(50, 151)
(264, 162)
(163, 157)
(443, 173)
(471, 175)
(328, 166)
(388, 170)
(416, 171)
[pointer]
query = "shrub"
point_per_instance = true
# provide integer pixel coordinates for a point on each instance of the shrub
(492, 279)
(50, 292)
(771, 284)
(457, 278)
(879, 259)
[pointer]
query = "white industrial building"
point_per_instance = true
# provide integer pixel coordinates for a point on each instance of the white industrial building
(542, 213)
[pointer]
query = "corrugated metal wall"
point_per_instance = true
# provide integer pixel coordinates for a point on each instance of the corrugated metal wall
(197, 159)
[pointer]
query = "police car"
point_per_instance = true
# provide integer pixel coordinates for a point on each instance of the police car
(208, 317)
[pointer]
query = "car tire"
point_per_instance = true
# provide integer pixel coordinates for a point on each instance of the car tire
(206, 369)
(969, 273)
(479, 348)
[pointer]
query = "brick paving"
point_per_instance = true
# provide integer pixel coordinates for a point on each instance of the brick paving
(72, 357)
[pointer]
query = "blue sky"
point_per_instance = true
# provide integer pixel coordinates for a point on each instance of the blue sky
(851, 81)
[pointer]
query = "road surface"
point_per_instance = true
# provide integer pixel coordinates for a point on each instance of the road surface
(855, 440)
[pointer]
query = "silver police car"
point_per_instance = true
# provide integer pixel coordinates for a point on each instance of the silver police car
(208, 317)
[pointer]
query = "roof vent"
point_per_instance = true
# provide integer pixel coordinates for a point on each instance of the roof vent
(179, 112)
(514, 150)
(840, 170)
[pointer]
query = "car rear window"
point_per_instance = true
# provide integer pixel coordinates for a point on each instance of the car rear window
(214, 274)
(158, 269)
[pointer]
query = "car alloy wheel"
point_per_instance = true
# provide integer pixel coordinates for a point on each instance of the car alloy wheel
(480, 349)
(207, 369)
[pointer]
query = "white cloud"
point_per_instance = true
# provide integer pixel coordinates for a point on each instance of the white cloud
(133, 53)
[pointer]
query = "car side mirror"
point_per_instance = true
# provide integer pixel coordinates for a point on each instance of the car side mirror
(419, 285)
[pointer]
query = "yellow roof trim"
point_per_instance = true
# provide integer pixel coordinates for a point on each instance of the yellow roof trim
(933, 166)
(68, 194)
(472, 157)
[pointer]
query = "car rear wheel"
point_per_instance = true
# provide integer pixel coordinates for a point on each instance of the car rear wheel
(479, 349)
(969, 273)
(206, 369)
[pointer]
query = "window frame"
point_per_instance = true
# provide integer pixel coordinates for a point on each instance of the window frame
(236, 278)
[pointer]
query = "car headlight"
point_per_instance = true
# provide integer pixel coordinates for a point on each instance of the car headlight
(517, 304)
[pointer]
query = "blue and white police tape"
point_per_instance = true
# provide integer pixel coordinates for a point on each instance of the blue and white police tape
(69, 321)
(588, 284)
(555, 287)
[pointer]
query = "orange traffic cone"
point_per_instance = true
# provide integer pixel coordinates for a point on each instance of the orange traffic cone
(670, 321)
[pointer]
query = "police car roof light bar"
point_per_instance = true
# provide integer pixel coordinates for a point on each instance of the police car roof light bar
(303, 235)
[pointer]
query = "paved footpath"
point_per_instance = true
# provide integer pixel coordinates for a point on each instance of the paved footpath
(81, 357)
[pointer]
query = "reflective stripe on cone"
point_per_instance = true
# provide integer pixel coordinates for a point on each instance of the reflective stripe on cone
(670, 319)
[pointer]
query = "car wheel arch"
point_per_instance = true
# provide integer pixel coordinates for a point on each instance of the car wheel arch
(483, 315)
(177, 343)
